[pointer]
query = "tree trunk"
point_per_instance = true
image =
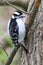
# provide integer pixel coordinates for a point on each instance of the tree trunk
(34, 38)
(34, 41)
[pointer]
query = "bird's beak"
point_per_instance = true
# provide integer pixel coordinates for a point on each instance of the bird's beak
(21, 16)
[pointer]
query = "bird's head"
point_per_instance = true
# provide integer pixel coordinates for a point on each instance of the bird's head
(17, 14)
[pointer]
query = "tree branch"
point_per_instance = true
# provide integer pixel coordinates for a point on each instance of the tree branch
(19, 3)
(30, 18)
(31, 3)
(8, 3)
(10, 58)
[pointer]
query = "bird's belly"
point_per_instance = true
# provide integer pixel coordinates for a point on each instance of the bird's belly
(21, 30)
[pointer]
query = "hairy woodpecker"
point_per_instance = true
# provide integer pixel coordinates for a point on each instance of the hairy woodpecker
(17, 28)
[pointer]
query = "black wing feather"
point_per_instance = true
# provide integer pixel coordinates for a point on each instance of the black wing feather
(13, 30)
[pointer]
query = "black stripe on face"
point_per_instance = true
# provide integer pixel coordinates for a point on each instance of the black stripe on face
(16, 15)
(19, 12)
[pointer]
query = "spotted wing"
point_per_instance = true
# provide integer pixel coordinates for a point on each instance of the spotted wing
(13, 30)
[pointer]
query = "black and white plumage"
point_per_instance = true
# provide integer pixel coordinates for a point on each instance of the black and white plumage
(16, 28)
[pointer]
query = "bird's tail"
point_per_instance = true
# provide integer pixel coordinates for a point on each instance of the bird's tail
(23, 45)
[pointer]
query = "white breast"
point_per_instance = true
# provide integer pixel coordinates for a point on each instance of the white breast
(22, 30)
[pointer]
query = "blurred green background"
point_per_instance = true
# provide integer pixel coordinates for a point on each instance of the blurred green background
(5, 14)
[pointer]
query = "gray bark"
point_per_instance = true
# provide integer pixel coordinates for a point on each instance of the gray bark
(34, 42)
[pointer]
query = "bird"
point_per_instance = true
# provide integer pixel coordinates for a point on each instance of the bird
(17, 28)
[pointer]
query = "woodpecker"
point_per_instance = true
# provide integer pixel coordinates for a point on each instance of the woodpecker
(17, 28)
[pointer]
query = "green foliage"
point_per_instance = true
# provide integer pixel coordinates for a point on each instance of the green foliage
(3, 56)
(9, 41)
(16, 59)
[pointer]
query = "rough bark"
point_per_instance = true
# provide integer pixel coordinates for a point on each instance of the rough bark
(33, 42)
